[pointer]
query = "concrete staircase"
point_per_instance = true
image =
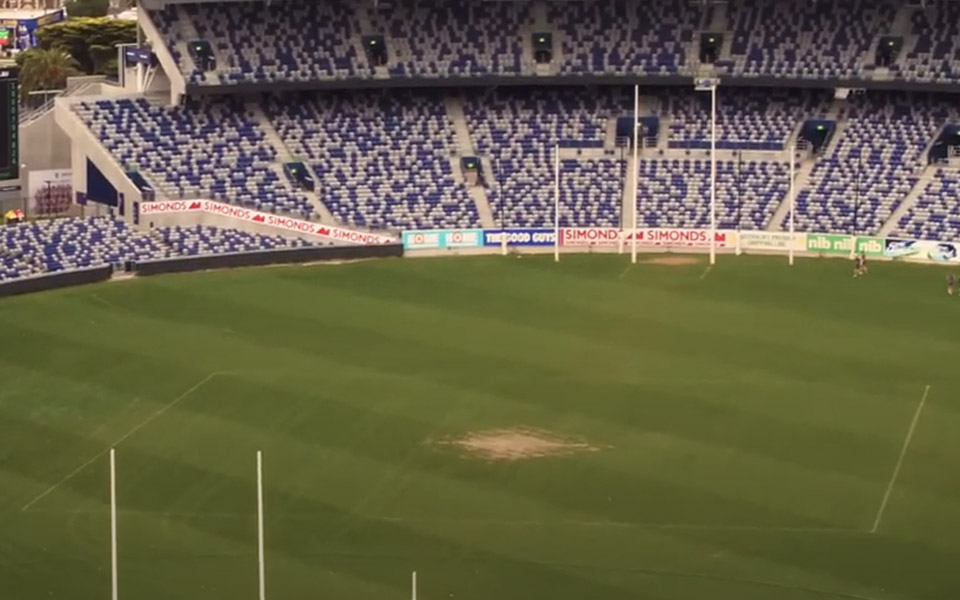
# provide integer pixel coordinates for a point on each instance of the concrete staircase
(478, 194)
(461, 131)
(178, 84)
(366, 26)
(539, 12)
(927, 175)
(902, 24)
(186, 32)
(801, 179)
(284, 156)
(465, 147)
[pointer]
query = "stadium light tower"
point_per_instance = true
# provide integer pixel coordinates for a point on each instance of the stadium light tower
(710, 85)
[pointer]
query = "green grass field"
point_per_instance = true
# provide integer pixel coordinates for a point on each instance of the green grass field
(745, 428)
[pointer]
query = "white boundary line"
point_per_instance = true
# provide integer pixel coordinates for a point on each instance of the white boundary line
(903, 452)
(625, 271)
(125, 436)
(705, 272)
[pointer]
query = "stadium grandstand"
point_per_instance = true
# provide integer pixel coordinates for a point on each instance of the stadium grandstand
(559, 304)
(383, 117)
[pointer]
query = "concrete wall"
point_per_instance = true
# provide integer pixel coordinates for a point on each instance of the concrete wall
(203, 218)
(85, 145)
(44, 145)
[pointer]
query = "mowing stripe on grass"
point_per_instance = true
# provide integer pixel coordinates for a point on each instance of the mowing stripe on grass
(125, 436)
(453, 522)
(903, 452)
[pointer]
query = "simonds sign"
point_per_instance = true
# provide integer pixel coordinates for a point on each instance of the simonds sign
(681, 238)
(589, 236)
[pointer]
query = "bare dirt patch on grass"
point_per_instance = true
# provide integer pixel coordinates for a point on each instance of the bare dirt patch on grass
(673, 261)
(515, 444)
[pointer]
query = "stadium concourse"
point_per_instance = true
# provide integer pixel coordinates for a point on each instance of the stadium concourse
(402, 115)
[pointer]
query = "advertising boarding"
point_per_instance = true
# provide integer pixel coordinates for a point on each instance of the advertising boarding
(772, 241)
(589, 236)
(825, 243)
(437, 239)
(289, 224)
(49, 192)
(871, 246)
(683, 238)
(917, 250)
(519, 237)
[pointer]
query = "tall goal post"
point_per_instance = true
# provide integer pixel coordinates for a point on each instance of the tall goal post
(260, 551)
(710, 85)
(114, 580)
(556, 202)
(793, 203)
(636, 170)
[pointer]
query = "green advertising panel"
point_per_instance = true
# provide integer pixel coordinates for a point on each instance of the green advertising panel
(824, 243)
(871, 246)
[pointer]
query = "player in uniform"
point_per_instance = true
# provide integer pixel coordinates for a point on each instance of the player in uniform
(856, 266)
(950, 282)
(863, 264)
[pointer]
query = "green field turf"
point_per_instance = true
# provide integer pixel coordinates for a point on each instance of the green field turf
(745, 426)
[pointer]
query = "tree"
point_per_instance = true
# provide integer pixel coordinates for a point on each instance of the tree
(89, 40)
(88, 8)
(45, 69)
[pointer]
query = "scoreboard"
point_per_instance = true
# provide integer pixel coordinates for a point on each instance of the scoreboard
(9, 124)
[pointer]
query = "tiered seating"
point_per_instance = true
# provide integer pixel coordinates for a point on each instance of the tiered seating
(814, 40)
(40, 247)
(879, 153)
(293, 40)
(591, 192)
(623, 36)
(303, 40)
(516, 129)
(205, 239)
(73, 243)
(936, 215)
(746, 119)
(439, 38)
(676, 193)
(383, 160)
(205, 149)
(167, 21)
(936, 55)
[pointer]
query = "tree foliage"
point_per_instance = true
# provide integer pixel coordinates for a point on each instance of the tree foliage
(88, 8)
(45, 69)
(92, 42)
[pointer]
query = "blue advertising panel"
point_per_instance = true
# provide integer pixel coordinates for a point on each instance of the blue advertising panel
(133, 55)
(434, 239)
(520, 237)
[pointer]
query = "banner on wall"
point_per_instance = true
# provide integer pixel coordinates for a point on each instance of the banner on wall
(682, 238)
(826, 243)
(290, 224)
(49, 192)
(897, 248)
(918, 250)
(520, 237)
(589, 236)
(772, 240)
(436, 239)
(871, 246)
